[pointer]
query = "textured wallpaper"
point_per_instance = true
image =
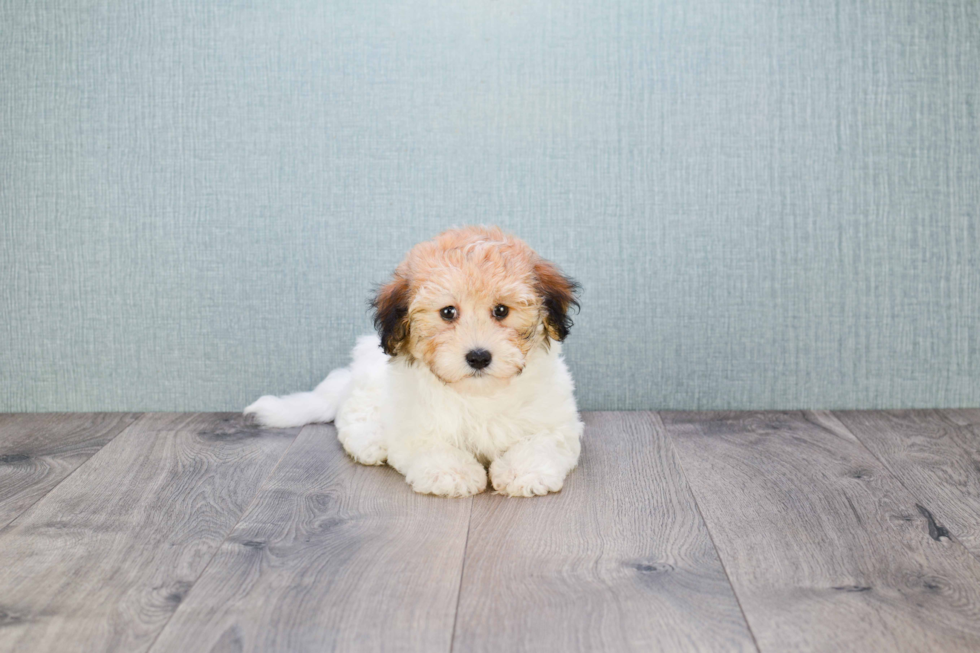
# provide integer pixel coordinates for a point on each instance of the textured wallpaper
(769, 204)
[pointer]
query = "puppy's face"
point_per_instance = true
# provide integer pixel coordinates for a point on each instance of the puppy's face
(471, 305)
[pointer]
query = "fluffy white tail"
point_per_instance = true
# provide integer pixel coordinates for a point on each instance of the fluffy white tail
(304, 407)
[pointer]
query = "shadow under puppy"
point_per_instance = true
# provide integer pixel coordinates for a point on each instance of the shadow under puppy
(466, 370)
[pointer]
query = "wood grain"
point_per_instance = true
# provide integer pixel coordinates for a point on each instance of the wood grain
(102, 562)
(968, 436)
(620, 560)
(333, 556)
(936, 455)
(825, 548)
(37, 451)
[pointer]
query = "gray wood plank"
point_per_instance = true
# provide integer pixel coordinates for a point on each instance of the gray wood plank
(619, 560)
(37, 451)
(102, 562)
(968, 436)
(825, 548)
(936, 456)
(332, 556)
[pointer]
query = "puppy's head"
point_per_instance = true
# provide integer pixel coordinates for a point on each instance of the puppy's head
(471, 305)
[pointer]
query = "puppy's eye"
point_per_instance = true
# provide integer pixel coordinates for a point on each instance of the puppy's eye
(448, 313)
(500, 311)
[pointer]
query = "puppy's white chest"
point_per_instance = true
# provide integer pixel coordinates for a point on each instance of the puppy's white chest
(489, 437)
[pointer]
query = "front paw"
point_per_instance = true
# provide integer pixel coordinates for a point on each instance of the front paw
(511, 479)
(455, 481)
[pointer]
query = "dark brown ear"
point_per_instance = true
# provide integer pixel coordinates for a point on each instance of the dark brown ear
(558, 294)
(391, 314)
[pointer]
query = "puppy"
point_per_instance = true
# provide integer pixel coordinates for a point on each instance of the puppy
(466, 371)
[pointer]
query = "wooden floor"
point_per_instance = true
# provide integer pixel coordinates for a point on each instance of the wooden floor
(679, 531)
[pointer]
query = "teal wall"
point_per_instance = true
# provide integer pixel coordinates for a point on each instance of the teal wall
(770, 204)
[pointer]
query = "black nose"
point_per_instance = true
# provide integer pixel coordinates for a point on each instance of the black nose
(478, 358)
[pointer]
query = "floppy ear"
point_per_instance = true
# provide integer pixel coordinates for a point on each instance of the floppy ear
(391, 314)
(558, 297)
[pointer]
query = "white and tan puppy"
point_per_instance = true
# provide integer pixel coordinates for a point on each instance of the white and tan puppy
(467, 372)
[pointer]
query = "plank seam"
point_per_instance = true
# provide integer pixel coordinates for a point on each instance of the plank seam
(462, 572)
(697, 506)
(41, 498)
(251, 503)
